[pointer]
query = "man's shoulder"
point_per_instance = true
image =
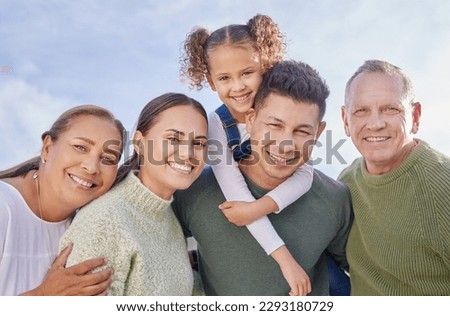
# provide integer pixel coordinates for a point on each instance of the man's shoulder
(206, 183)
(206, 179)
(330, 193)
(351, 170)
(322, 182)
(436, 158)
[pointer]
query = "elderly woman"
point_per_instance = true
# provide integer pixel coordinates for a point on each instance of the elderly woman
(40, 196)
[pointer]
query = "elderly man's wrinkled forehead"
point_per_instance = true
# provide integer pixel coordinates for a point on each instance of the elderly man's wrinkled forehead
(394, 81)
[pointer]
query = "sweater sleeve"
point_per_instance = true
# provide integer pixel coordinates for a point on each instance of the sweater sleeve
(225, 168)
(234, 187)
(293, 188)
(94, 235)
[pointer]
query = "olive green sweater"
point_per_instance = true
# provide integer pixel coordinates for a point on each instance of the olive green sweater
(400, 239)
(139, 235)
(231, 261)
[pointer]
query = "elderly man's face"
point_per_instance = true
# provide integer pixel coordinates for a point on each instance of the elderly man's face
(379, 121)
(283, 134)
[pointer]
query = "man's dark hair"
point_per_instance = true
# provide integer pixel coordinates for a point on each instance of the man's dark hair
(295, 80)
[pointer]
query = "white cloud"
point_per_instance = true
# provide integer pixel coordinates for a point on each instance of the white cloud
(25, 113)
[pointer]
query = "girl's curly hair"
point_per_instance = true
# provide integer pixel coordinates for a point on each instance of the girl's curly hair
(260, 31)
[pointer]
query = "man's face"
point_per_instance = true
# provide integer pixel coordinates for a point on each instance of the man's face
(379, 120)
(283, 134)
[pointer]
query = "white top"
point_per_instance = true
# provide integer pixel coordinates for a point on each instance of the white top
(234, 187)
(28, 245)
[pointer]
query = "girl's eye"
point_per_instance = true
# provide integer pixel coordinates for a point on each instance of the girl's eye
(247, 73)
(223, 78)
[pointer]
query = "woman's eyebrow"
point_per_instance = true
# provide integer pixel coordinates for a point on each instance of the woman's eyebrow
(183, 133)
(87, 140)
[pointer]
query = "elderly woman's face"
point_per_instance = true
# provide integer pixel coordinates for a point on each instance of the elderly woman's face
(82, 163)
(173, 151)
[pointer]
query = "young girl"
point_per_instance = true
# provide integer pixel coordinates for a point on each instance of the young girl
(233, 60)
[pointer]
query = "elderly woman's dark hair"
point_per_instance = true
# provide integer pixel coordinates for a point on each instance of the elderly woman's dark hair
(61, 124)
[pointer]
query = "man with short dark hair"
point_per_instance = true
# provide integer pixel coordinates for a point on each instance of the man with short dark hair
(283, 126)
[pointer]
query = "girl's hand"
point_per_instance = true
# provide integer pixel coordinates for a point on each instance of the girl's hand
(297, 279)
(238, 213)
(294, 274)
(244, 213)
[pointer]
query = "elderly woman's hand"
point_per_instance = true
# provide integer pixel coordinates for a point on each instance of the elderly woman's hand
(75, 280)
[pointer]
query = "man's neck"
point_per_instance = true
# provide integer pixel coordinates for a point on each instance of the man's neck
(383, 168)
(257, 175)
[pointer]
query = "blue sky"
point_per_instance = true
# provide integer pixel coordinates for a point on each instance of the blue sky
(121, 54)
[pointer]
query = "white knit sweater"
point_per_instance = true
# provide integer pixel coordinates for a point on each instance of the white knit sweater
(139, 235)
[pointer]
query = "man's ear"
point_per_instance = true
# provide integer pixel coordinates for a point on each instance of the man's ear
(344, 116)
(46, 146)
(210, 82)
(321, 128)
(416, 113)
(250, 119)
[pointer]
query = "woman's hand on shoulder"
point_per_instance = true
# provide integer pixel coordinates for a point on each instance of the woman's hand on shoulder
(75, 280)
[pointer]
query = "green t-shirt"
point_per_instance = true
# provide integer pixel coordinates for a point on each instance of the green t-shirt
(231, 262)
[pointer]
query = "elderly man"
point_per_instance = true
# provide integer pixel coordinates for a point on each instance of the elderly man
(286, 122)
(400, 240)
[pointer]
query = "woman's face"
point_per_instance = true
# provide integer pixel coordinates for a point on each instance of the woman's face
(173, 150)
(80, 165)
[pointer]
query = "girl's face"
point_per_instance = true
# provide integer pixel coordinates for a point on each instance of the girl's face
(173, 150)
(235, 72)
(80, 165)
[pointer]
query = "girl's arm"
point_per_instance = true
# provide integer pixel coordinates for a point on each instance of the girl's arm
(244, 213)
(294, 187)
(234, 188)
(233, 185)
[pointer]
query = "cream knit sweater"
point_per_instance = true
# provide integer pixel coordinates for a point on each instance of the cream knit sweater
(139, 235)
